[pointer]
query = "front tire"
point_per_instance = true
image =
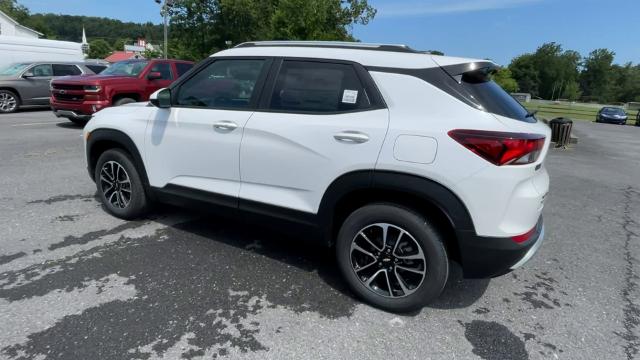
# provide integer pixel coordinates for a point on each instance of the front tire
(392, 257)
(9, 102)
(120, 186)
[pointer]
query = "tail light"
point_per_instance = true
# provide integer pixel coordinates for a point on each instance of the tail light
(519, 239)
(501, 148)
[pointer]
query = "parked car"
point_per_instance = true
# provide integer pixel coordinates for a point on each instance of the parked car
(609, 114)
(402, 161)
(78, 98)
(27, 84)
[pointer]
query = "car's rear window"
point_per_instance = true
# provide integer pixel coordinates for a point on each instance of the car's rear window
(97, 69)
(492, 97)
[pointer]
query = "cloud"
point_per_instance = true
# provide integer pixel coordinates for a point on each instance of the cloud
(434, 7)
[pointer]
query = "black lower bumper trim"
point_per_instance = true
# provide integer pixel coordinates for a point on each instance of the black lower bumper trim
(485, 257)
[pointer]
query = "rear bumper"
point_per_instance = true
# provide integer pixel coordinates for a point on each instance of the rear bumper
(485, 257)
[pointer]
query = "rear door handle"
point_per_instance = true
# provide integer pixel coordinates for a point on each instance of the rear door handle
(351, 137)
(225, 125)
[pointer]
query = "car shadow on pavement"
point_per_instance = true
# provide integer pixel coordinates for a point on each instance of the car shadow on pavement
(312, 257)
(69, 125)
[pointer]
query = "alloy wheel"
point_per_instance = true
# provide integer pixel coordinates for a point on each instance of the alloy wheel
(115, 184)
(8, 102)
(388, 260)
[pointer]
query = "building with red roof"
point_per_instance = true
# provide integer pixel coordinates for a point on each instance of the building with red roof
(123, 55)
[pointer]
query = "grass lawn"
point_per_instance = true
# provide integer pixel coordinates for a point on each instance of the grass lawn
(572, 111)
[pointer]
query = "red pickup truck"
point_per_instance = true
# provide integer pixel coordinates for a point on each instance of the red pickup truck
(78, 97)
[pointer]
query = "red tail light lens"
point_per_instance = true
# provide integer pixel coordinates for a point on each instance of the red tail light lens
(501, 148)
(524, 237)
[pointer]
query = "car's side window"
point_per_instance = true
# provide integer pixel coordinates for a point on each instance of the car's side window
(225, 84)
(164, 69)
(64, 70)
(182, 68)
(42, 70)
(321, 87)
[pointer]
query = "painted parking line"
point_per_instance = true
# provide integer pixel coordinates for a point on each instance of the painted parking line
(34, 124)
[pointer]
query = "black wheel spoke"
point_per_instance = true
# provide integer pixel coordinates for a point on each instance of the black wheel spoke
(115, 184)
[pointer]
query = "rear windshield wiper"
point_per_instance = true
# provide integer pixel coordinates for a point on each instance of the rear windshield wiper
(531, 114)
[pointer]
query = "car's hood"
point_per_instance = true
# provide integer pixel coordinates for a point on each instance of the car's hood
(5, 78)
(94, 79)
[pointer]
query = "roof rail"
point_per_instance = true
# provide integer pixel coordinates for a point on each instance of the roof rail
(332, 44)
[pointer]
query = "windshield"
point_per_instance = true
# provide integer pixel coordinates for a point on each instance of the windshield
(126, 68)
(613, 111)
(14, 69)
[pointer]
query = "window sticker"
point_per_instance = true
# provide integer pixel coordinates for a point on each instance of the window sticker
(350, 96)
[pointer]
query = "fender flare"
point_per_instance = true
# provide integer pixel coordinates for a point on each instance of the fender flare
(423, 188)
(120, 138)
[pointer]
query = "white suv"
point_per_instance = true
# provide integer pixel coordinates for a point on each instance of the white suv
(401, 160)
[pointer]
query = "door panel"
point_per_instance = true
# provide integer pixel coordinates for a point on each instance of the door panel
(289, 160)
(184, 148)
(34, 89)
(196, 143)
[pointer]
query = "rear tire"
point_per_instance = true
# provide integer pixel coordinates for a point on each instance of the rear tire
(387, 274)
(120, 186)
(9, 102)
(123, 101)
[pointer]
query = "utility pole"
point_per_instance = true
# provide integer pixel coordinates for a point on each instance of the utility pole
(165, 13)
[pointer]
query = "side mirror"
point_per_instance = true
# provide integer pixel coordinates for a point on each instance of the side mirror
(28, 74)
(161, 98)
(154, 75)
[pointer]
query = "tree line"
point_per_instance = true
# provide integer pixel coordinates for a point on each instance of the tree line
(554, 73)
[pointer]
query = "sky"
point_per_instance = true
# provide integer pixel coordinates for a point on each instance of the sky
(494, 29)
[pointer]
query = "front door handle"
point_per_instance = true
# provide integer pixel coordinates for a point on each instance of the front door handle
(351, 137)
(225, 125)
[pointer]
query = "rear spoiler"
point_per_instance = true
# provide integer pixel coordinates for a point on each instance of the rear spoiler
(477, 69)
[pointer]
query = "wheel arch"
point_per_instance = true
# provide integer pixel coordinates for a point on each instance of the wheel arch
(132, 95)
(356, 189)
(102, 140)
(13, 90)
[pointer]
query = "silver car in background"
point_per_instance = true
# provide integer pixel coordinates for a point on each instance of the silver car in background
(27, 84)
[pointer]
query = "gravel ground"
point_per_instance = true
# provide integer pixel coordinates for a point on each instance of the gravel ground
(76, 283)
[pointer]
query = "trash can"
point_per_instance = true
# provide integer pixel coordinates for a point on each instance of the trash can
(561, 131)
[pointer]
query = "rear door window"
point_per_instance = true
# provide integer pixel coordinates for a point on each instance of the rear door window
(65, 70)
(318, 87)
(97, 69)
(182, 68)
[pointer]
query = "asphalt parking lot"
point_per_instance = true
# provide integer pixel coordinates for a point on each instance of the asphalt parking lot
(76, 283)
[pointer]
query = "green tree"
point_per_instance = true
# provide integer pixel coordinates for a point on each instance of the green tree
(16, 11)
(204, 26)
(99, 49)
(572, 91)
(524, 71)
(505, 79)
(597, 77)
(119, 44)
(152, 54)
(547, 72)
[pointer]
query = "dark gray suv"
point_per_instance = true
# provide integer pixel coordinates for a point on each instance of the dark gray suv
(27, 84)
